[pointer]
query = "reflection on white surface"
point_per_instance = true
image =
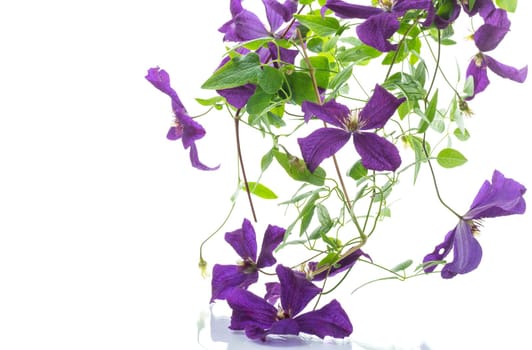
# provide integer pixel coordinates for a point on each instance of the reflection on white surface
(214, 334)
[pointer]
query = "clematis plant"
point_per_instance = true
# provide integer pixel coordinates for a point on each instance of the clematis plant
(307, 77)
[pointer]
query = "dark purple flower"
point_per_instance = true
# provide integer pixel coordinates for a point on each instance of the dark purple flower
(341, 265)
(245, 25)
(184, 128)
(380, 23)
(376, 152)
(258, 318)
(478, 70)
(501, 197)
(227, 277)
(490, 34)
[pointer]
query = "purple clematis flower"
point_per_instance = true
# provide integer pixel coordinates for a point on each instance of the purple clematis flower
(376, 152)
(245, 25)
(340, 266)
(184, 128)
(481, 7)
(227, 277)
(501, 197)
(380, 23)
(258, 318)
(478, 70)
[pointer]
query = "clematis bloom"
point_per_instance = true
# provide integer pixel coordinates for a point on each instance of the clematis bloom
(478, 70)
(376, 152)
(258, 318)
(227, 277)
(380, 23)
(501, 197)
(184, 128)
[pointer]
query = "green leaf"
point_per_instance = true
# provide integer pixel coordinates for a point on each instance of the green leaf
(258, 102)
(240, 70)
(260, 190)
(307, 213)
(430, 112)
(301, 87)
(450, 158)
(403, 266)
(341, 78)
(270, 79)
(210, 101)
(297, 169)
(360, 54)
(323, 215)
(462, 135)
(323, 26)
(508, 5)
(357, 171)
(266, 160)
(321, 70)
(469, 86)
(330, 259)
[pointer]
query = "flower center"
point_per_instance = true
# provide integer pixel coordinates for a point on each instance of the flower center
(281, 314)
(248, 265)
(386, 4)
(475, 225)
(353, 123)
(479, 59)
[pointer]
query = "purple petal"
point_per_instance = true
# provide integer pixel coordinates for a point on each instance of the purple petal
(331, 320)
(278, 13)
(225, 278)
(161, 80)
(491, 33)
(330, 112)
(272, 238)
(401, 6)
(284, 327)
(250, 311)
(239, 96)
(296, 290)
(195, 160)
(502, 197)
(466, 250)
(380, 107)
(345, 10)
(477, 69)
(440, 251)
(273, 292)
(341, 265)
(502, 70)
(376, 152)
(376, 31)
(175, 132)
(243, 27)
(192, 130)
(321, 144)
(443, 22)
(243, 241)
(481, 6)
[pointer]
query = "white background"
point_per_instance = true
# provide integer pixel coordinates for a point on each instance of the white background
(101, 216)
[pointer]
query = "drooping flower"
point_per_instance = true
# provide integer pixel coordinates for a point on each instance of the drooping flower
(380, 23)
(258, 318)
(501, 197)
(243, 240)
(184, 128)
(478, 70)
(481, 7)
(376, 152)
(341, 265)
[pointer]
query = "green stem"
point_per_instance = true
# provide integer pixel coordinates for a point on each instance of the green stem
(241, 161)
